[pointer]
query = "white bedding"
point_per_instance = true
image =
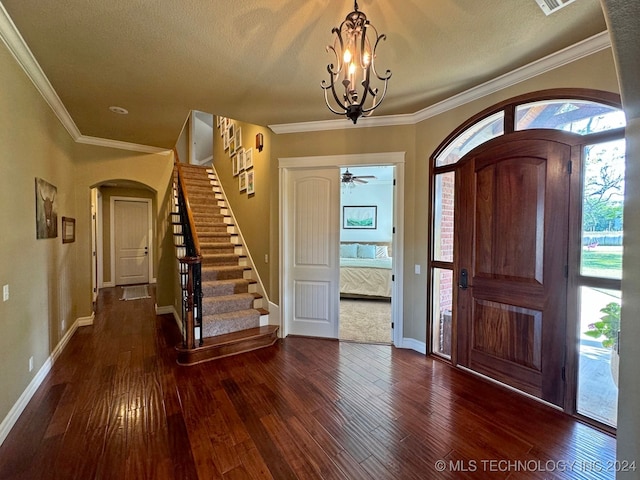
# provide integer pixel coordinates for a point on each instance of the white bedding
(366, 276)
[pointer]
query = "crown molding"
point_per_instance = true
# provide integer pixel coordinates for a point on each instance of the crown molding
(134, 147)
(19, 49)
(582, 49)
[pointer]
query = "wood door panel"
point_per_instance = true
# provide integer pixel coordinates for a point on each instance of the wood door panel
(512, 216)
(510, 198)
(508, 333)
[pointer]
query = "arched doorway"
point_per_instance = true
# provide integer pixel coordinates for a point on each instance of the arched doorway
(506, 223)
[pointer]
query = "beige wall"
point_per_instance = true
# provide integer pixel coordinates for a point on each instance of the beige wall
(40, 273)
(252, 212)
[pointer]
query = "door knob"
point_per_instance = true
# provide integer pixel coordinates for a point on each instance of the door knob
(464, 279)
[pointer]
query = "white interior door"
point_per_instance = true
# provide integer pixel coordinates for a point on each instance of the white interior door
(131, 241)
(312, 206)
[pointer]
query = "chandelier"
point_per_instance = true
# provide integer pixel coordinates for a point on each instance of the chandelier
(354, 68)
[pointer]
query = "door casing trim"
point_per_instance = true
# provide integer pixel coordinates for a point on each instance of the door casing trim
(396, 159)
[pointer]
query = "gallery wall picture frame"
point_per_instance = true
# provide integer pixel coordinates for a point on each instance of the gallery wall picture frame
(248, 158)
(225, 139)
(232, 147)
(241, 158)
(242, 181)
(46, 209)
(68, 230)
(231, 128)
(238, 137)
(360, 217)
(251, 184)
(234, 166)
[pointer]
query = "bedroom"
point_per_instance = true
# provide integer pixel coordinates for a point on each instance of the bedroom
(366, 253)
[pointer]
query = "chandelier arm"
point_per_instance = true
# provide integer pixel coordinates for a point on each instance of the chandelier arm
(331, 86)
(375, 96)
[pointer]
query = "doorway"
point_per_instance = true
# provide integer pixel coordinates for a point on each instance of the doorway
(297, 294)
(491, 309)
(130, 242)
(366, 253)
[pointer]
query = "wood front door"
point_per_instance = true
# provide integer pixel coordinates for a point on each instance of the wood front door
(510, 260)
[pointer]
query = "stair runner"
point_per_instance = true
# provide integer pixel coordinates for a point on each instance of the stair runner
(230, 304)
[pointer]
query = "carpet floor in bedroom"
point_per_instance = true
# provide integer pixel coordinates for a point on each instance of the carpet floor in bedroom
(363, 320)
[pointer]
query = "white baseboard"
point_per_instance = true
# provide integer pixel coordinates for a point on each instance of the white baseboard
(413, 344)
(22, 402)
(274, 316)
(108, 284)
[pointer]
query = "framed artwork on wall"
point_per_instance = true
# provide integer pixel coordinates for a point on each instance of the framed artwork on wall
(251, 186)
(46, 210)
(68, 230)
(360, 217)
(248, 158)
(242, 182)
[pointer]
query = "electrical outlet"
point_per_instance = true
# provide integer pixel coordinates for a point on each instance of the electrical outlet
(5, 293)
(417, 269)
(30, 364)
(266, 258)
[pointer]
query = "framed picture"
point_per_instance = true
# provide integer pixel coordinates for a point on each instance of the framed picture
(248, 158)
(251, 186)
(242, 182)
(68, 230)
(360, 216)
(234, 166)
(225, 139)
(231, 128)
(240, 156)
(232, 146)
(46, 210)
(238, 137)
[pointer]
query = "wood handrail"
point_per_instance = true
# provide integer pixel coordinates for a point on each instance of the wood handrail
(192, 224)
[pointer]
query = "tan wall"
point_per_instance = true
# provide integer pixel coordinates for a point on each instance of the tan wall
(252, 212)
(40, 273)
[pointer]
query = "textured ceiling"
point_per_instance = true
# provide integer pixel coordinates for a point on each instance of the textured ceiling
(262, 61)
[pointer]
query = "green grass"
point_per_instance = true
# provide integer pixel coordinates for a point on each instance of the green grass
(602, 264)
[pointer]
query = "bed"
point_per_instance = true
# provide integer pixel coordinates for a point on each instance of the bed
(365, 270)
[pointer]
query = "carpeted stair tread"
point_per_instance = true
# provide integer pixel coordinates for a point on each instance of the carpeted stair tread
(214, 237)
(228, 303)
(222, 272)
(213, 249)
(218, 288)
(230, 322)
(220, 259)
(213, 227)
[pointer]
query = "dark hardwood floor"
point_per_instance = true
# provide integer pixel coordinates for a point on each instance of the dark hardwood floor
(116, 406)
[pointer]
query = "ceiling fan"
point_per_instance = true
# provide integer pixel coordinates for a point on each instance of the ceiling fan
(350, 178)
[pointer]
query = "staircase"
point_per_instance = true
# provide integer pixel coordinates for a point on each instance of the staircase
(233, 318)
